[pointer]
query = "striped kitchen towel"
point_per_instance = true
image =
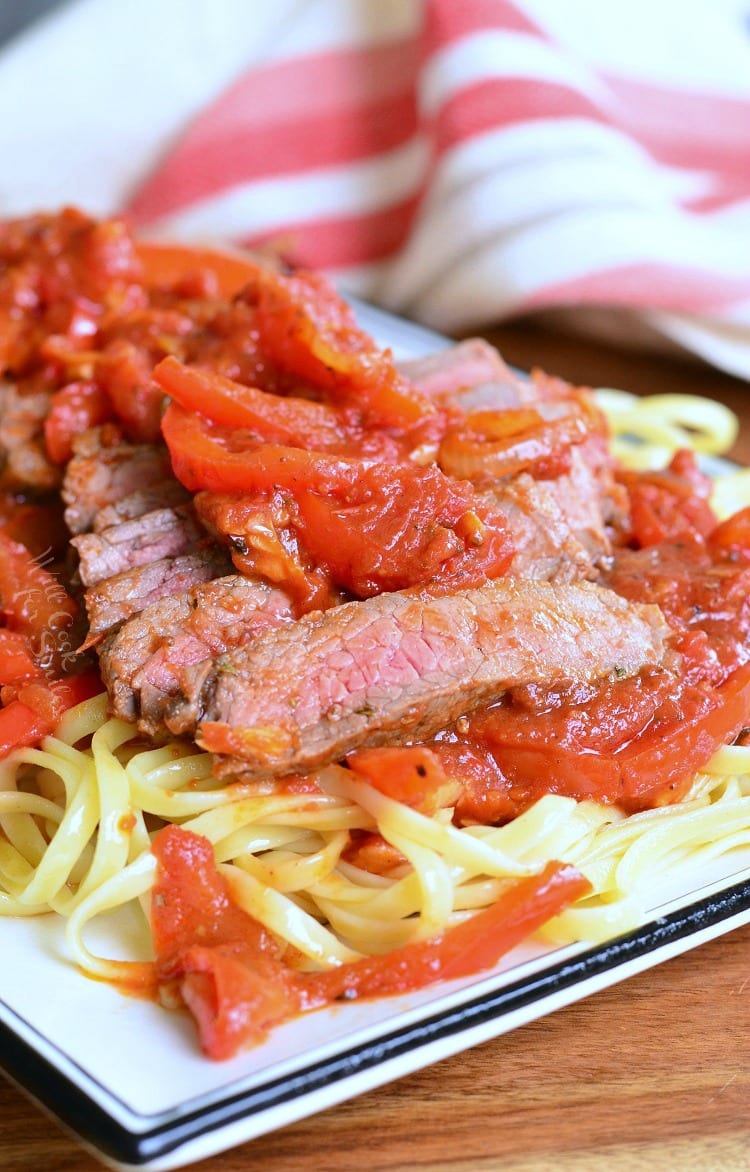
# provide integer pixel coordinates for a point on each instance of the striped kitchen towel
(457, 161)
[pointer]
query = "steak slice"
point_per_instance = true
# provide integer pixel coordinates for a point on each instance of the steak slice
(24, 462)
(116, 599)
(141, 662)
(160, 534)
(547, 545)
(558, 525)
(164, 494)
(403, 665)
(583, 496)
(471, 375)
(99, 475)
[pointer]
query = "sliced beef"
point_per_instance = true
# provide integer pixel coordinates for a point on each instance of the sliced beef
(558, 524)
(399, 665)
(471, 375)
(116, 599)
(160, 534)
(142, 661)
(24, 463)
(164, 494)
(100, 474)
(547, 545)
(583, 496)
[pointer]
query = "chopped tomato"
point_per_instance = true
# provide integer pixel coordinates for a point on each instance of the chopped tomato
(55, 697)
(38, 526)
(731, 538)
(401, 526)
(39, 706)
(262, 543)
(75, 407)
(60, 275)
(636, 744)
(20, 727)
(124, 372)
(16, 662)
(412, 775)
(669, 505)
(705, 599)
(307, 328)
(370, 852)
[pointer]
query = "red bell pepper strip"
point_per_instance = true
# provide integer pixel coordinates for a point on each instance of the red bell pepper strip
(280, 420)
(470, 947)
(206, 456)
(224, 962)
(167, 264)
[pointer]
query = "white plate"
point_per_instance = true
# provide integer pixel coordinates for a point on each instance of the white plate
(129, 1079)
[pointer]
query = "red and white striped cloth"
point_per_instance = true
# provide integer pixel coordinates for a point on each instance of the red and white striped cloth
(458, 161)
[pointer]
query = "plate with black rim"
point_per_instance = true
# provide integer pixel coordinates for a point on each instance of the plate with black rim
(128, 1077)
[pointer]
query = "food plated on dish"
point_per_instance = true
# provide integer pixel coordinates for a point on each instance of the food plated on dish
(354, 673)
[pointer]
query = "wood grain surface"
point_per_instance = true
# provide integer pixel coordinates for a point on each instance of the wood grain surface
(652, 1074)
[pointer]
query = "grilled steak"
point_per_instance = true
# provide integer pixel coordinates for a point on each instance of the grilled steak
(547, 546)
(580, 495)
(140, 662)
(23, 459)
(99, 475)
(471, 375)
(401, 665)
(164, 494)
(160, 534)
(558, 525)
(116, 599)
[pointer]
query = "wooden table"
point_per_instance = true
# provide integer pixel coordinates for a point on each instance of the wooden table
(651, 1074)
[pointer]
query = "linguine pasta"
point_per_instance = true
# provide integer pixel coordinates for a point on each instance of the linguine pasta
(75, 823)
(646, 431)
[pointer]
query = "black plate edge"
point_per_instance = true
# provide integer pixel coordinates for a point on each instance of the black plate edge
(71, 1105)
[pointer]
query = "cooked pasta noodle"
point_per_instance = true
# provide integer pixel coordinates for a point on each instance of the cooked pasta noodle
(647, 431)
(731, 492)
(78, 814)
